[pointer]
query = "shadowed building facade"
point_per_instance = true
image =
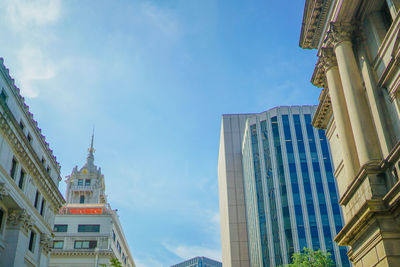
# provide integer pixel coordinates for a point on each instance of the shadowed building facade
(289, 192)
(358, 43)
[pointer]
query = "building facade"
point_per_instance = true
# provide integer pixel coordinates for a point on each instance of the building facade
(87, 231)
(358, 51)
(29, 177)
(290, 193)
(277, 191)
(199, 262)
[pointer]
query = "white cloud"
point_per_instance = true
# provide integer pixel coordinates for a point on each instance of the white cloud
(147, 262)
(22, 13)
(34, 67)
(187, 252)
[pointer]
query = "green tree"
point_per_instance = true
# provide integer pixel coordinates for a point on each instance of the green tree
(113, 263)
(311, 258)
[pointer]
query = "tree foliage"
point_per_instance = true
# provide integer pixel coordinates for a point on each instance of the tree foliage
(113, 263)
(311, 258)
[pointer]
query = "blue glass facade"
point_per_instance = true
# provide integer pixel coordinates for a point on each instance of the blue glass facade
(199, 262)
(290, 192)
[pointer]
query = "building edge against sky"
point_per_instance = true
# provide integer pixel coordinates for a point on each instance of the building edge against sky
(357, 67)
(310, 172)
(29, 178)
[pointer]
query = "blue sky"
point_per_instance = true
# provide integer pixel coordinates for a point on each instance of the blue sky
(154, 78)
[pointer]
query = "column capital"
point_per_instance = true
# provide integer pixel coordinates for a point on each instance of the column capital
(327, 58)
(45, 243)
(4, 191)
(340, 32)
(20, 218)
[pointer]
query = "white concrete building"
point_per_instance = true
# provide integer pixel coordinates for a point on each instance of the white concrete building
(87, 231)
(29, 177)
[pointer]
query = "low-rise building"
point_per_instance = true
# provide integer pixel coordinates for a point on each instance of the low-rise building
(199, 262)
(87, 231)
(29, 177)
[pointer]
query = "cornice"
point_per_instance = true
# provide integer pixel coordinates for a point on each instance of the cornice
(83, 252)
(323, 112)
(315, 13)
(25, 108)
(39, 175)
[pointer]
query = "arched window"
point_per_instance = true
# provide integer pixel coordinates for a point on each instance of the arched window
(82, 199)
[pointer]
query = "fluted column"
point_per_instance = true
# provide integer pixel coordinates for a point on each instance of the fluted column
(365, 137)
(342, 121)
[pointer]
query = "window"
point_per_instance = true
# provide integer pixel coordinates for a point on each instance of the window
(82, 199)
(37, 199)
(32, 241)
(21, 179)
(21, 125)
(113, 235)
(42, 206)
(62, 228)
(3, 95)
(87, 182)
(43, 160)
(119, 247)
(85, 244)
(89, 228)
(58, 244)
(29, 137)
(13, 169)
(1, 218)
(48, 169)
(80, 181)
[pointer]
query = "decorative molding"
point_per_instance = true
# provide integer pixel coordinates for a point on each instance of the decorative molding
(4, 191)
(83, 252)
(19, 217)
(327, 58)
(340, 32)
(42, 178)
(46, 243)
(323, 112)
(25, 108)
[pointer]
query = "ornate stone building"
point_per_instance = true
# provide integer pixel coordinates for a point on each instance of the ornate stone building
(358, 43)
(87, 231)
(29, 177)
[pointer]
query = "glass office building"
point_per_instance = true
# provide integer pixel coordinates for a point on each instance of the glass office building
(199, 262)
(290, 193)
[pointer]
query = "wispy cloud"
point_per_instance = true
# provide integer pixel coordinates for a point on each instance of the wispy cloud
(22, 13)
(34, 67)
(28, 21)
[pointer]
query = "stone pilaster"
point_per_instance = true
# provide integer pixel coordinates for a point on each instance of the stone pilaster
(359, 114)
(45, 243)
(329, 64)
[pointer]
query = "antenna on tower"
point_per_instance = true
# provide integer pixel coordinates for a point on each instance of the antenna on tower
(91, 149)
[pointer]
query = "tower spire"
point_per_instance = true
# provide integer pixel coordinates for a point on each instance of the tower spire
(90, 157)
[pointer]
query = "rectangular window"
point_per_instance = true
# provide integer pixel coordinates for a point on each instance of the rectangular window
(36, 199)
(87, 182)
(119, 247)
(89, 228)
(48, 169)
(21, 125)
(32, 241)
(113, 235)
(43, 160)
(3, 95)
(42, 206)
(85, 244)
(13, 169)
(80, 181)
(21, 179)
(1, 218)
(82, 199)
(58, 244)
(62, 228)
(29, 137)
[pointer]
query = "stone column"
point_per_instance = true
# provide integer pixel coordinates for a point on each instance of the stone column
(16, 238)
(342, 121)
(365, 137)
